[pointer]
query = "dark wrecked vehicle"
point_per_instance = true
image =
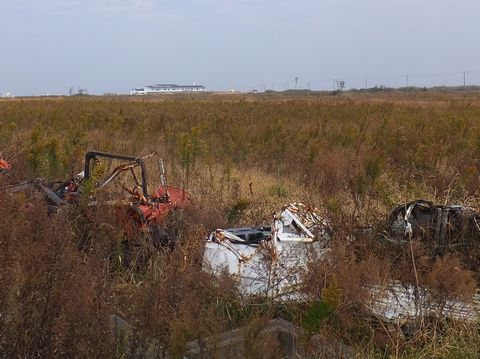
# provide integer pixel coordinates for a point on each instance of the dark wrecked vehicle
(443, 226)
(123, 189)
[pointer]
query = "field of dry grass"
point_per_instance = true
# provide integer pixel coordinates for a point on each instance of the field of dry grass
(241, 157)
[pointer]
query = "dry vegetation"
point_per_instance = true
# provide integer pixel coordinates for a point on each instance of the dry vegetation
(241, 158)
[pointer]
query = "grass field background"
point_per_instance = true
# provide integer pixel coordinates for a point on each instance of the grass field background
(241, 157)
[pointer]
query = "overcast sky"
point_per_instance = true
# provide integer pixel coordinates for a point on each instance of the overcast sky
(47, 46)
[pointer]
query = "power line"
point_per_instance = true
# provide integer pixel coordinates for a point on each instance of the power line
(438, 75)
(366, 81)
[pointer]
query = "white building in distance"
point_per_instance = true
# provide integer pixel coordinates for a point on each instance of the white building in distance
(167, 88)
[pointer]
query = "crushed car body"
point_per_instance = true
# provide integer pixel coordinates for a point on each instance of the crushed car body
(267, 260)
(444, 225)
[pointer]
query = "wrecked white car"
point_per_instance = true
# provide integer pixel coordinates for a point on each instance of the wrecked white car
(267, 260)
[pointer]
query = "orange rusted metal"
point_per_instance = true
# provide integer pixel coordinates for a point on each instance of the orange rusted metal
(4, 165)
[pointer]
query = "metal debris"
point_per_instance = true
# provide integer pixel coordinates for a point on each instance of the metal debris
(4, 165)
(445, 225)
(395, 301)
(142, 211)
(268, 260)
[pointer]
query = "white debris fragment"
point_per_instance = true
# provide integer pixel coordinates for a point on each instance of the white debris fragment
(268, 260)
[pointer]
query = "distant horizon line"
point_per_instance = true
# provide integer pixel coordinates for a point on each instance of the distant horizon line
(373, 89)
(463, 78)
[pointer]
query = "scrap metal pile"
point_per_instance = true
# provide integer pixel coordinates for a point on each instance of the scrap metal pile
(266, 260)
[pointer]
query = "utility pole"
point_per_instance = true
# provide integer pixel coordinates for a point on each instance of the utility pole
(464, 82)
(407, 84)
